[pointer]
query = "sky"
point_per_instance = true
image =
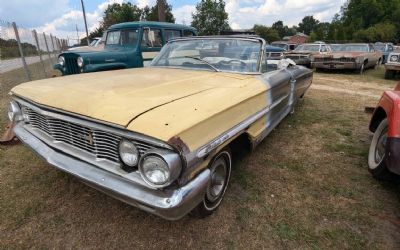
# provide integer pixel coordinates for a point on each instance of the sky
(60, 17)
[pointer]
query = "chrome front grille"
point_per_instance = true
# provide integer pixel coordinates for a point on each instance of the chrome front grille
(100, 144)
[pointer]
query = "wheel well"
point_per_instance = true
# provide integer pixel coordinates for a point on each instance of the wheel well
(378, 116)
(241, 142)
(365, 61)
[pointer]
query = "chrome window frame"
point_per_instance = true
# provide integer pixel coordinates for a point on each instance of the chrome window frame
(243, 38)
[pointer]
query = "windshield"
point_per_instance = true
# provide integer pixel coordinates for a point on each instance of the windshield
(335, 47)
(122, 37)
(380, 47)
(280, 45)
(353, 48)
(308, 47)
(93, 43)
(231, 55)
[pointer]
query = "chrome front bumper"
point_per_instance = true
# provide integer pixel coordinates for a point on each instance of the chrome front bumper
(170, 204)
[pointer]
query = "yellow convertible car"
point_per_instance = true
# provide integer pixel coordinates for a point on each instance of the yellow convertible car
(161, 138)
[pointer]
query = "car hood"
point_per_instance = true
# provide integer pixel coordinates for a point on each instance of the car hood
(121, 96)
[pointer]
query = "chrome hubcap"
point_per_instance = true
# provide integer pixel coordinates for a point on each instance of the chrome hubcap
(218, 180)
(380, 149)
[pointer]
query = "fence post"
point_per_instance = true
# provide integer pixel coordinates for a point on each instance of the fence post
(39, 51)
(27, 73)
(48, 51)
(52, 43)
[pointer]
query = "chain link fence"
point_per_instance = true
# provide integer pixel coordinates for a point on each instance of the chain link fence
(26, 54)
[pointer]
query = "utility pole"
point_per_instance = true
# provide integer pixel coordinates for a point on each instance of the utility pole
(77, 34)
(84, 18)
(161, 10)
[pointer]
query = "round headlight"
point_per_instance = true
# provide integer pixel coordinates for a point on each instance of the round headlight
(61, 60)
(80, 62)
(394, 58)
(159, 168)
(14, 112)
(155, 170)
(129, 153)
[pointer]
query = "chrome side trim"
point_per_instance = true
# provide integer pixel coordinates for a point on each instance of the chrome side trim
(204, 150)
(89, 122)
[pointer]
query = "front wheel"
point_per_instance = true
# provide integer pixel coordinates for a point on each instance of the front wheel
(377, 154)
(362, 69)
(220, 169)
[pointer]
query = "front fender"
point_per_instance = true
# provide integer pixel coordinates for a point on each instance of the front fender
(390, 104)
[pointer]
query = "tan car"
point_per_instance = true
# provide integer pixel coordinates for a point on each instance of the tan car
(303, 53)
(161, 138)
(357, 56)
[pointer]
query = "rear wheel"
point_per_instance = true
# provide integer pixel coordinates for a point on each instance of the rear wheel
(378, 63)
(377, 154)
(220, 169)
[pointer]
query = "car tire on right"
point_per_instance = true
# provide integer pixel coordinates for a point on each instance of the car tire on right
(377, 154)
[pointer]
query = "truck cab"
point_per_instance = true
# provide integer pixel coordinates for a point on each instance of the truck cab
(127, 45)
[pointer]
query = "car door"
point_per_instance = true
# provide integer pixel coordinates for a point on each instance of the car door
(151, 44)
(278, 92)
(373, 55)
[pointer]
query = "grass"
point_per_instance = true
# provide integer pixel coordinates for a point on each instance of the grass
(306, 187)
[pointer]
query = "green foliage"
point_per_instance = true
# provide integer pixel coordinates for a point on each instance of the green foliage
(128, 12)
(151, 14)
(283, 30)
(210, 17)
(308, 25)
(378, 32)
(269, 34)
(371, 20)
(118, 13)
(9, 49)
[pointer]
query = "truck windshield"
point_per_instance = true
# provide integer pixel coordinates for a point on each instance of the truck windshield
(122, 37)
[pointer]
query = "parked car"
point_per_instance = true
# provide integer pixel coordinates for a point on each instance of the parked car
(385, 48)
(287, 46)
(95, 45)
(161, 138)
(357, 56)
(384, 152)
(392, 67)
(274, 53)
(127, 45)
(303, 53)
(335, 47)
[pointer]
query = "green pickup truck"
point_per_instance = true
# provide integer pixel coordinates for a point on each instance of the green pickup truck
(127, 45)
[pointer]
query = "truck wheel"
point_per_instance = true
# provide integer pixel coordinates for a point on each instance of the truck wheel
(377, 154)
(220, 168)
(389, 74)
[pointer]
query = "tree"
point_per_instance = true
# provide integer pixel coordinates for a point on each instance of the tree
(151, 14)
(119, 13)
(269, 34)
(98, 32)
(210, 17)
(308, 24)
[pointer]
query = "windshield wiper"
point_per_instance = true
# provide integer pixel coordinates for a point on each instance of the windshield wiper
(203, 61)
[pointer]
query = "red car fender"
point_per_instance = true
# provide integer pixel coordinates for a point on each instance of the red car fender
(389, 107)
